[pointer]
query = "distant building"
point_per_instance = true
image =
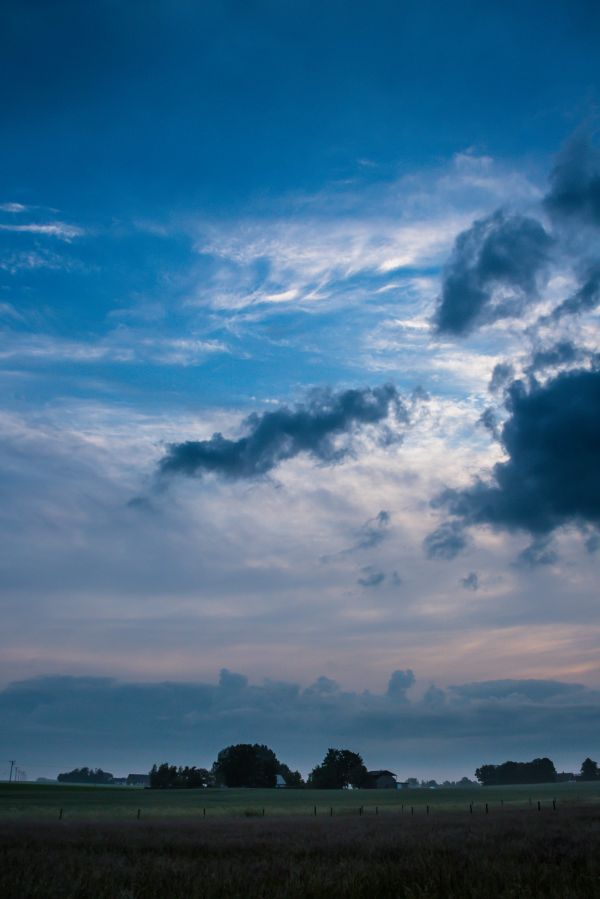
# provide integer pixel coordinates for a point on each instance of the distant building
(381, 780)
(279, 782)
(138, 780)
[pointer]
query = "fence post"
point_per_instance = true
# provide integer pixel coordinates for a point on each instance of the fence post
(263, 813)
(427, 809)
(554, 805)
(539, 806)
(331, 812)
(204, 813)
(487, 809)
(471, 808)
(315, 810)
(376, 809)
(139, 812)
(412, 809)
(60, 815)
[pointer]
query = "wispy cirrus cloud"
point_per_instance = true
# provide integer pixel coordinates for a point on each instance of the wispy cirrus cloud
(61, 230)
(13, 207)
(119, 346)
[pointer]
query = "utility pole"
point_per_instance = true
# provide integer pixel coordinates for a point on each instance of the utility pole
(12, 764)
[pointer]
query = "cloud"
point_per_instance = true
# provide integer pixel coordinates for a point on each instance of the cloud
(55, 723)
(497, 254)
(399, 683)
(539, 552)
(13, 207)
(585, 298)
(274, 437)
(502, 374)
(574, 195)
(551, 477)
(471, 581)
(62, 230)
(373, 531)
(445, 542)
(562, 353)
(370, 577)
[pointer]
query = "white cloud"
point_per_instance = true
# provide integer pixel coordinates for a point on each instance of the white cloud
(62, 230)
(121, 345)
(13, 207)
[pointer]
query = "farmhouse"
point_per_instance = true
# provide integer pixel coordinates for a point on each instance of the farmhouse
(381, 780)
(280, 782)
(138, 780)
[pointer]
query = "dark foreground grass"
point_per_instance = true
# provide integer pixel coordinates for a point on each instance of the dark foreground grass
(520, 854)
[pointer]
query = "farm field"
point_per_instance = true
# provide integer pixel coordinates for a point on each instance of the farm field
(518, 853)
(82, 803)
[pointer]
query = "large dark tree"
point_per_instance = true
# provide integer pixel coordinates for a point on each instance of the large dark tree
(85, 776)
(165, 776)
(340, 768)
(537, 771)
(589, 770)
(246, 765)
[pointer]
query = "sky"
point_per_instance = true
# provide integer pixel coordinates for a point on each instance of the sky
(300, 369)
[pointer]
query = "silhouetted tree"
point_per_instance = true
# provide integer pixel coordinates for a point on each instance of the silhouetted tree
(292, 778)
(165, 776)
(589, 770)
(85, 776)
(246, 765)
(340, 768)
(538, 771)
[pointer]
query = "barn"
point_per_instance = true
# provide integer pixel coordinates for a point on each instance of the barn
(381, 780)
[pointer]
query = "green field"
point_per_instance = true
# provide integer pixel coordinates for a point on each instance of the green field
(99, 849)
(44, 801)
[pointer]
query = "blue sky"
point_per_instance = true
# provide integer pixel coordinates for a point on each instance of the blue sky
(247, 219)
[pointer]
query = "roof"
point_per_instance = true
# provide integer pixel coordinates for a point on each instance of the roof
(381, 773)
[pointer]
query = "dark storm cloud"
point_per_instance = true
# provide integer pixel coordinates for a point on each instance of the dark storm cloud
(446, 541)
(574, 194)
(585, 298)
(499, 252)
(471, 581)
(374, 531)
(539, 552)
(502, 374)
(370, 577)
(562, 353)
(53, 724)
(273, 437)
(489, 420)
(551, 477)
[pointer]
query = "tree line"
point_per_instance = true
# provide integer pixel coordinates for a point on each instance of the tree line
(537, 771)
(256, 765)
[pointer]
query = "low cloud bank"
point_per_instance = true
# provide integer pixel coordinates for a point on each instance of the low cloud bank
(84, 720)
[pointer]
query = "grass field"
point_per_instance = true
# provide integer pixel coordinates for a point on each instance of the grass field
(43, 802)
(517, 852)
